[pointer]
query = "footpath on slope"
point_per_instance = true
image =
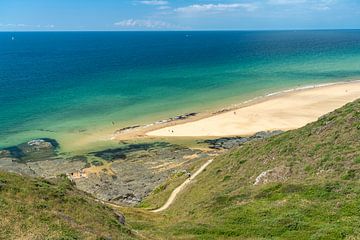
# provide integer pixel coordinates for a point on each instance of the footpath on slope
(180, 188)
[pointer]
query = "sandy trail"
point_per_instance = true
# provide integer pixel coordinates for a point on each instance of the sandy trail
(180, 188)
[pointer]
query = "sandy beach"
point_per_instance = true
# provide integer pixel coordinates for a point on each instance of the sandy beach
(280, 111)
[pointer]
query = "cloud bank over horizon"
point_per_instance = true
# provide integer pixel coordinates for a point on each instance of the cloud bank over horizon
(178, 14)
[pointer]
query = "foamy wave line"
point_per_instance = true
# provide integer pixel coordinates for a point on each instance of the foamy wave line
(291, 90)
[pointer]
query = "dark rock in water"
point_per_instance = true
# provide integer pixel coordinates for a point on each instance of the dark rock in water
(39, 144)
(126, 129)
(178, 117)
(184, 116)
(43, 143)
(120, 217)
(34, 150)
(231, 142)
(15, 152)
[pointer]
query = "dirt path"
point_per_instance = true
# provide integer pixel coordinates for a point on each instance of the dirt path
(181, 187)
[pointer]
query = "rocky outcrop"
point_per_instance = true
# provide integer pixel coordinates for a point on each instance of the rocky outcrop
(176, 118)
(231, 142)
(134, 170)
(123, 175)
(55, 167)
(34, 150)
(38, 157)
(121, 218)
(126, 129)
(12, 165)
(278, 174)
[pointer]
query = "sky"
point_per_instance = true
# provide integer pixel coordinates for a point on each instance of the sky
(156, 15)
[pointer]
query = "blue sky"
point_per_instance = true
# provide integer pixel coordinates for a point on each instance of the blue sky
(83, 15)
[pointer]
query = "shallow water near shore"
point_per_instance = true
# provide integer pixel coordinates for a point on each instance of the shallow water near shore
(80, 87)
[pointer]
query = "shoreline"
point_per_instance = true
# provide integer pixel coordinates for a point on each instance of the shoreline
(167, 127)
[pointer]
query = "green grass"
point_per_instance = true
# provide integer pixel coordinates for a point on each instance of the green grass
(160, 195)
(315, 194)
(32, 208)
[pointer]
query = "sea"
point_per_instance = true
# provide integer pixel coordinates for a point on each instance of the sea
(79, 87)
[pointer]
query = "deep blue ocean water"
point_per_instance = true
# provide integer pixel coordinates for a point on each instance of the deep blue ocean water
(71, 85)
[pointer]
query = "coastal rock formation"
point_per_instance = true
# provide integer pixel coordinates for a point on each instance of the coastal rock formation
(231, 142)
(38, 157)
(176, 118)
(55, 167)
(125, 129)
(133, 171)
(123, 175)
(12, 165)
(34, 150)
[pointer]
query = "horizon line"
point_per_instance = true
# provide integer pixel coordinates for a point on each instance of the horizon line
(188, 30)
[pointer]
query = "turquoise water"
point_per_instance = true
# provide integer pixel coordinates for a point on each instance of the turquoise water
(71, 86)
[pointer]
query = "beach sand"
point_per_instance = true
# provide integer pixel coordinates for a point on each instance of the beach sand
(281, 111)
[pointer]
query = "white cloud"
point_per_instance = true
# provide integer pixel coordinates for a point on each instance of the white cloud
(310, 4)
(136, 23)
(323, 5)
(286, 2)
(199, 8)
(22, 25)
(163, 7)
(13, 25)
(155, 2)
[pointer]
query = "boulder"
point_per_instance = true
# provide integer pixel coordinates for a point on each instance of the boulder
(278, 174)
(39, 144)
(120, 217)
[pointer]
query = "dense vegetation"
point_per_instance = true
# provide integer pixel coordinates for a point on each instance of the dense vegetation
(33, 208)
(309, 188)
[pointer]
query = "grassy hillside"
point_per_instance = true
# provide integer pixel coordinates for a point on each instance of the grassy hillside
(307, 187)
(39, 209)
(302, 184)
